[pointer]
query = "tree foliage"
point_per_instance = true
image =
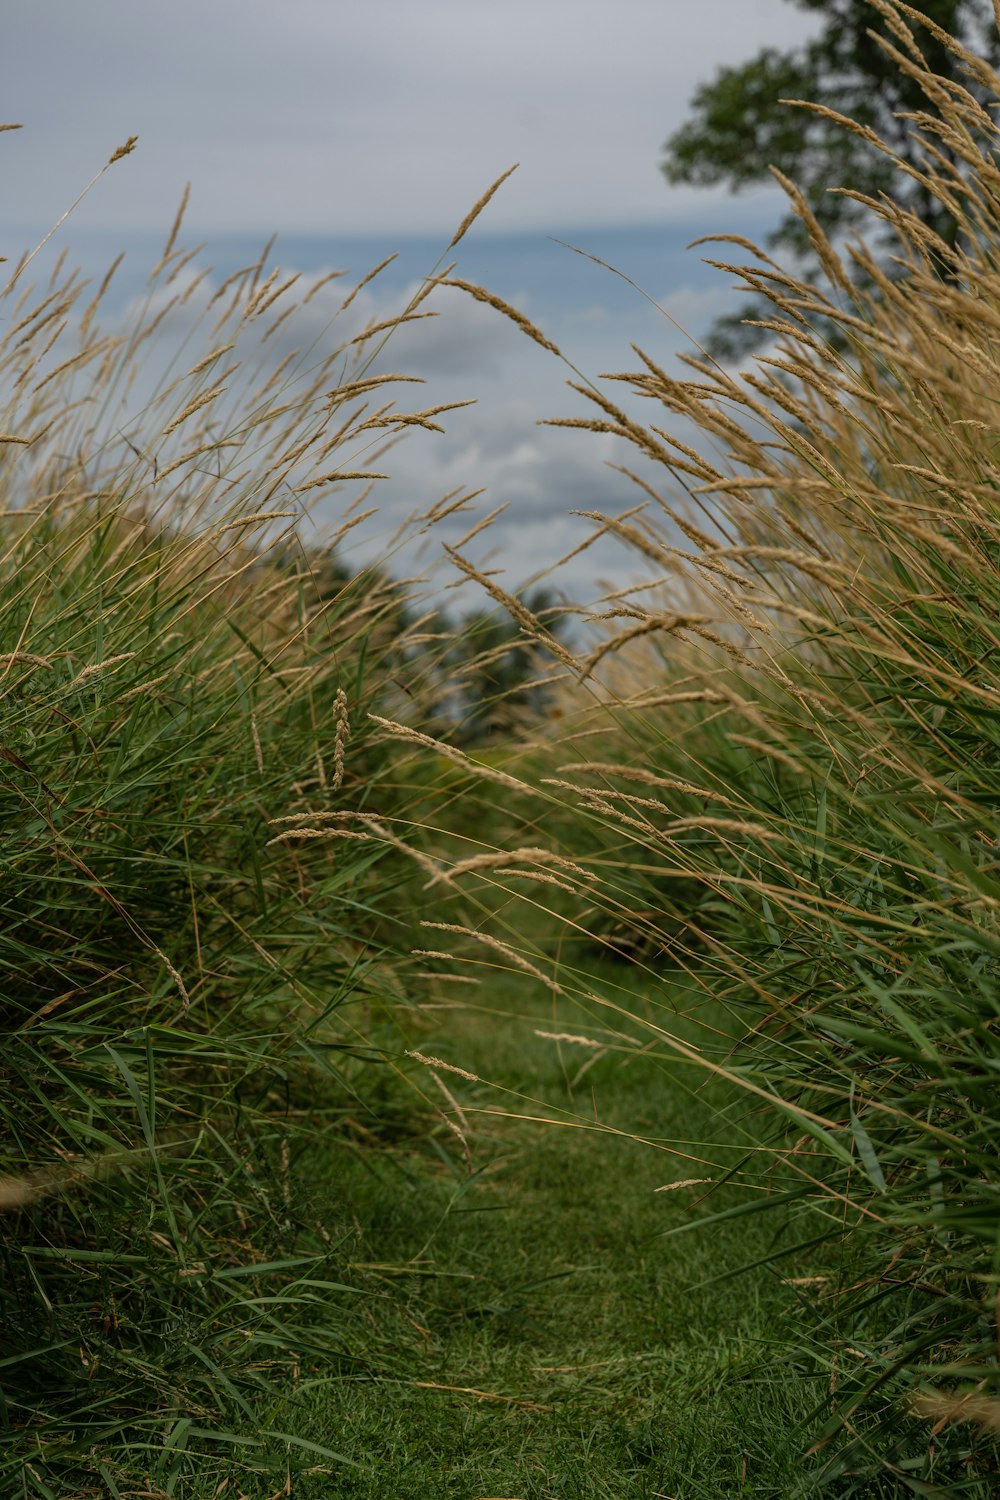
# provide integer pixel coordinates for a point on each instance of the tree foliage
(498, 674)
(740, 127)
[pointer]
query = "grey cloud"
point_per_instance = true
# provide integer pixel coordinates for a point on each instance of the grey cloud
(497, 445)
(464, 338)
(389, 115)
(540, 474)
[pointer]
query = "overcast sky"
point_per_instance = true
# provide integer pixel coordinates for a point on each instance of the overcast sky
(387, 119)
(378, 115)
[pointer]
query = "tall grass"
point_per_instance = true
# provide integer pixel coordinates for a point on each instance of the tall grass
(789, 785)
(780, 774)
(202, 897)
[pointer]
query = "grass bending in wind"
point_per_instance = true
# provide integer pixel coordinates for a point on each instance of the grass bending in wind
(781, 771)
(202, 893)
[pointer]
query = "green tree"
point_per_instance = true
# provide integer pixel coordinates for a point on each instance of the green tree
(498, 672)
(739, 128)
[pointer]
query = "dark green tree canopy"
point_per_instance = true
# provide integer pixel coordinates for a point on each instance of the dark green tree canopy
(739, 129)
(498, 673)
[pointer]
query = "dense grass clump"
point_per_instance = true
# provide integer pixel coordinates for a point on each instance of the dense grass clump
(201, 902)
(785, 781)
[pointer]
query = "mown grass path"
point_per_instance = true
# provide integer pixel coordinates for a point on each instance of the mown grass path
(530, 1331)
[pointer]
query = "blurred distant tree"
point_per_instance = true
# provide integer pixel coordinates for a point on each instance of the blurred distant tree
(469, 678)
(738, 128)
(498, 671)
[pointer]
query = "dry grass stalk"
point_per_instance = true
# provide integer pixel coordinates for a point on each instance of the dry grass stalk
(341, 737)
(386, 325)
(337, 476)
(258, 752)
(651, 778)
(651, 624)
(480, 526)
(491, 300)
(673, 1187)
(175, 976)
(503, 859)
(541, 877)
(944, 1407)
(569, 1036)
(366, 280)
(450, 752)
(21, 1192)
(445, 1067)
(101, 666)
(438, 977)
(479, 205)
(196, 405)
(505, 949)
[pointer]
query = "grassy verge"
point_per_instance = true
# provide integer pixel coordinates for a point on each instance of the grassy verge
(202, 914)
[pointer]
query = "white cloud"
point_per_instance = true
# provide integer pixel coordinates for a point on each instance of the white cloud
(539, 474)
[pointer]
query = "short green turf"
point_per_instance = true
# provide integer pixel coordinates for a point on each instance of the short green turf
(531, 1329)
